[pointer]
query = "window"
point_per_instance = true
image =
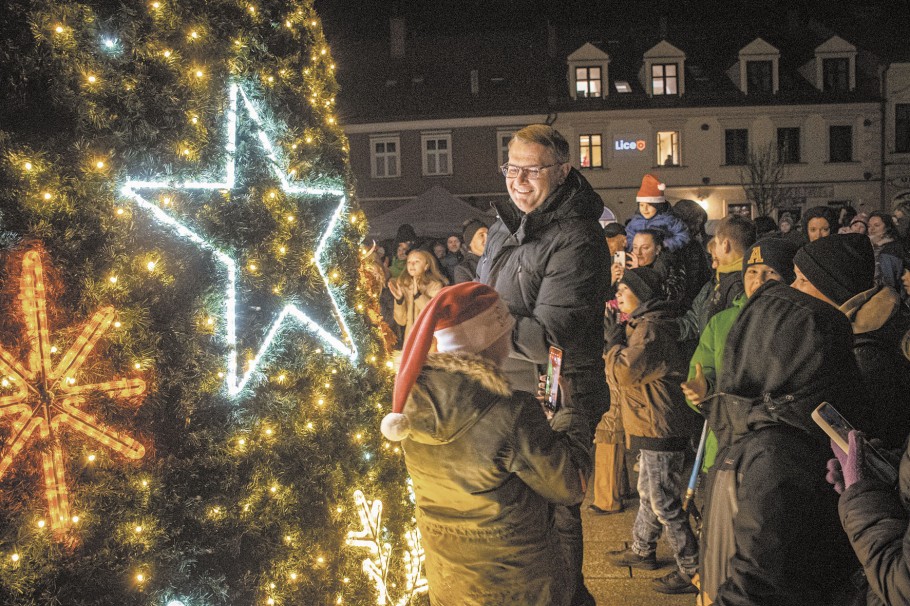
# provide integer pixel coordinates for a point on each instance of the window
(590, 151)
(668, 148)
(587, 82)
(836, 75)
(437, 154)
(622, 86)
(385, 157)
(759, 79)
(788, 145)
(840, 143)
(663, 79)
(502, 145)
(902, 128)
(736, 143)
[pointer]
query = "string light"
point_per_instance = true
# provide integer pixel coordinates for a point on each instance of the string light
(235, 383)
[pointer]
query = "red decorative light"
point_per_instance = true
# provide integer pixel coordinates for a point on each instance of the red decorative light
(47, 398)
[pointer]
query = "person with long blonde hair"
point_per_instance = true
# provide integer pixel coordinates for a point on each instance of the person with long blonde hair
(414, 288)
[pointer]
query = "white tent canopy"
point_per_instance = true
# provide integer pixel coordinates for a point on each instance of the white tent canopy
(435, 213)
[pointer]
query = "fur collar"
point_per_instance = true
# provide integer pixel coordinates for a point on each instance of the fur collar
(476, 368)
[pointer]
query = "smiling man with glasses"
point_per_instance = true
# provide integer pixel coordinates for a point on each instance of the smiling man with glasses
(547, 258)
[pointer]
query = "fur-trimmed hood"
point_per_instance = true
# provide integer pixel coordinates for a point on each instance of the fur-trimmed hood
(871, 309)
(452, 393)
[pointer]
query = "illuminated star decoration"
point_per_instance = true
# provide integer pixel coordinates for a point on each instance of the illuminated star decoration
(377, 566)
(235, 382)
(47, 397)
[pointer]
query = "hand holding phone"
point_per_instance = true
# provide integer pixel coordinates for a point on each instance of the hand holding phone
(838, 429)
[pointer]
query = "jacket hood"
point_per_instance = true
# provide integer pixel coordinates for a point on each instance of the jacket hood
(452, 393)
(574, 199)
(786, 353)
(655, 307)
(871, 309)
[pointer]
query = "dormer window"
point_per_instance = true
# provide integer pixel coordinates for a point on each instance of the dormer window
(664, 80)
(836, 75)
(587, 82)
(622, 86)
(759, 77)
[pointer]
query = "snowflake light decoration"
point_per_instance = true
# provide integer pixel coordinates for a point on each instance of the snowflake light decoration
(46, 397)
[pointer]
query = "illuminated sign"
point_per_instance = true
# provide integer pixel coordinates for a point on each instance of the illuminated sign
(628, 144)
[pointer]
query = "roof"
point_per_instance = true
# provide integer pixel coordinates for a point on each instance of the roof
(435, 213)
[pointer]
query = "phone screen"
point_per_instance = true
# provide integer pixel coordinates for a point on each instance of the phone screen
(838, 429)
(554, 365)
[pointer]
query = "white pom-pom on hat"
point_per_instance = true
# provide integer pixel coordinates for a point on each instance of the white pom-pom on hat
(395, 427)
(661, 186)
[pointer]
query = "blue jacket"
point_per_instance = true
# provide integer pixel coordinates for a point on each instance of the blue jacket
(675, 233)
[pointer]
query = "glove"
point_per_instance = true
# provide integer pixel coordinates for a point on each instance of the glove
(614, 332)
(847, 469)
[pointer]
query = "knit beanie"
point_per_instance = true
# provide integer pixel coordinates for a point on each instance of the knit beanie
(466, 317)
(820, 212)
(786, 218)
(776, 253)
(406, 233)
(470, 228)
(644, 282)
(651, 191)
(840, 266)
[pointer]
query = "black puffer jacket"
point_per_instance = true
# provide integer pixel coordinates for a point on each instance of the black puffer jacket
(875, 518)
(771, 532)
(551, 266)
(486, 467)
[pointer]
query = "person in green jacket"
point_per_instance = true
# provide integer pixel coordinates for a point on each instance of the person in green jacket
(768, 259)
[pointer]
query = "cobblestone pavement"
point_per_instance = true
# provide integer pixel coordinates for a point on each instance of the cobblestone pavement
(622, 586)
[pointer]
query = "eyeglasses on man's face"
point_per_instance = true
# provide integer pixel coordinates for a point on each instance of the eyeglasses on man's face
(511, 171)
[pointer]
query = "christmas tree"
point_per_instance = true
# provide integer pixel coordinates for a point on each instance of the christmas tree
(192, 374)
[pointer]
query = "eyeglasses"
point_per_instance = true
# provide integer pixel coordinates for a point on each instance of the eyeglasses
(533, 172)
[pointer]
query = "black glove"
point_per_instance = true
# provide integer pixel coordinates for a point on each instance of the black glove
(614, 332)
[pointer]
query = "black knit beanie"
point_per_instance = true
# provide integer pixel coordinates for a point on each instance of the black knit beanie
(470, 228)
(776, 253)
(840, 266)
(644, 282)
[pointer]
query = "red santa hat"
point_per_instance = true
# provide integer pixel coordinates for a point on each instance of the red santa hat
(465, 317)
(651, 191)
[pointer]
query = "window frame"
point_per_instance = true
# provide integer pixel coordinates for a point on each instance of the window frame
(676, 148)
(502, 150)
(760, 90)
(831, 141)
(828, 84)
(588, 80)
(798, 156)
(664, 78)
(591, 147)
(385, 154)
(727, 146)
(425, 153)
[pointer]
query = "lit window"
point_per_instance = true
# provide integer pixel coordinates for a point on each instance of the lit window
(590, 151)
(437, 154)
(622, 86)
(840, 143)
(668, 148)
(385, 157)
(587, 82)
(663, 79)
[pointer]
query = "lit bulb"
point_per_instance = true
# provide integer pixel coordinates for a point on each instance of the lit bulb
(75, 519)
(323, 51)
(252, 9)
(313, 23)
(282, 250)
(47, 196)
(14, 557)
(194, 34)
(138, 529)
(320, 401)
(41, 523)
(91, 458)
(167, 54)
(334, 275)
(53, 349)
(241, 442)
(165, 200)
(186, 152)
(99, 164)
(92, 79)
(5, 382)
(156, 5)
(150, 265)
(199, 73)
(120, 211)
(252, 267)
(309, 425)
(309, 139)
(320, 560)
(59, 29)
(274, 489)
(271, 78)
(293, 576)
(145, 483)
(269, 431)
(71, 380)
(113, 279)
(210, 321)
(27, 166)
(117, 324)
(291, 218)
(270, 601)
(140, 577)
(272, 195)
(194, 120)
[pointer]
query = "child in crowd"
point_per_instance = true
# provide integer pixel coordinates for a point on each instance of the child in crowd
(485, 463)
(414, 288)
(654, 213)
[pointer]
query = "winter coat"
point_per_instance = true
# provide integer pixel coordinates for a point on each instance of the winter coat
(552, 267)
(644, 377)
(486, 466)
(771, 531)
(466, 271)
(729, 286)
(877, 522)
(676, 235)
(697, 265)
(409, 307)
(690, 322)
(709, 354)
(885, 372)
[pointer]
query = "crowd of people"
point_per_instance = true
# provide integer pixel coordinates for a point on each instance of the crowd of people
(667, 333)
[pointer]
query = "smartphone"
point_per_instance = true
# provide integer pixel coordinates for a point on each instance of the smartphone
(551, 388)
(838, 429)
(619, 257)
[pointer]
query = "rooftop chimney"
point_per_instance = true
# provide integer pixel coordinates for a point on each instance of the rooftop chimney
(397, 34)
(663, 27)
